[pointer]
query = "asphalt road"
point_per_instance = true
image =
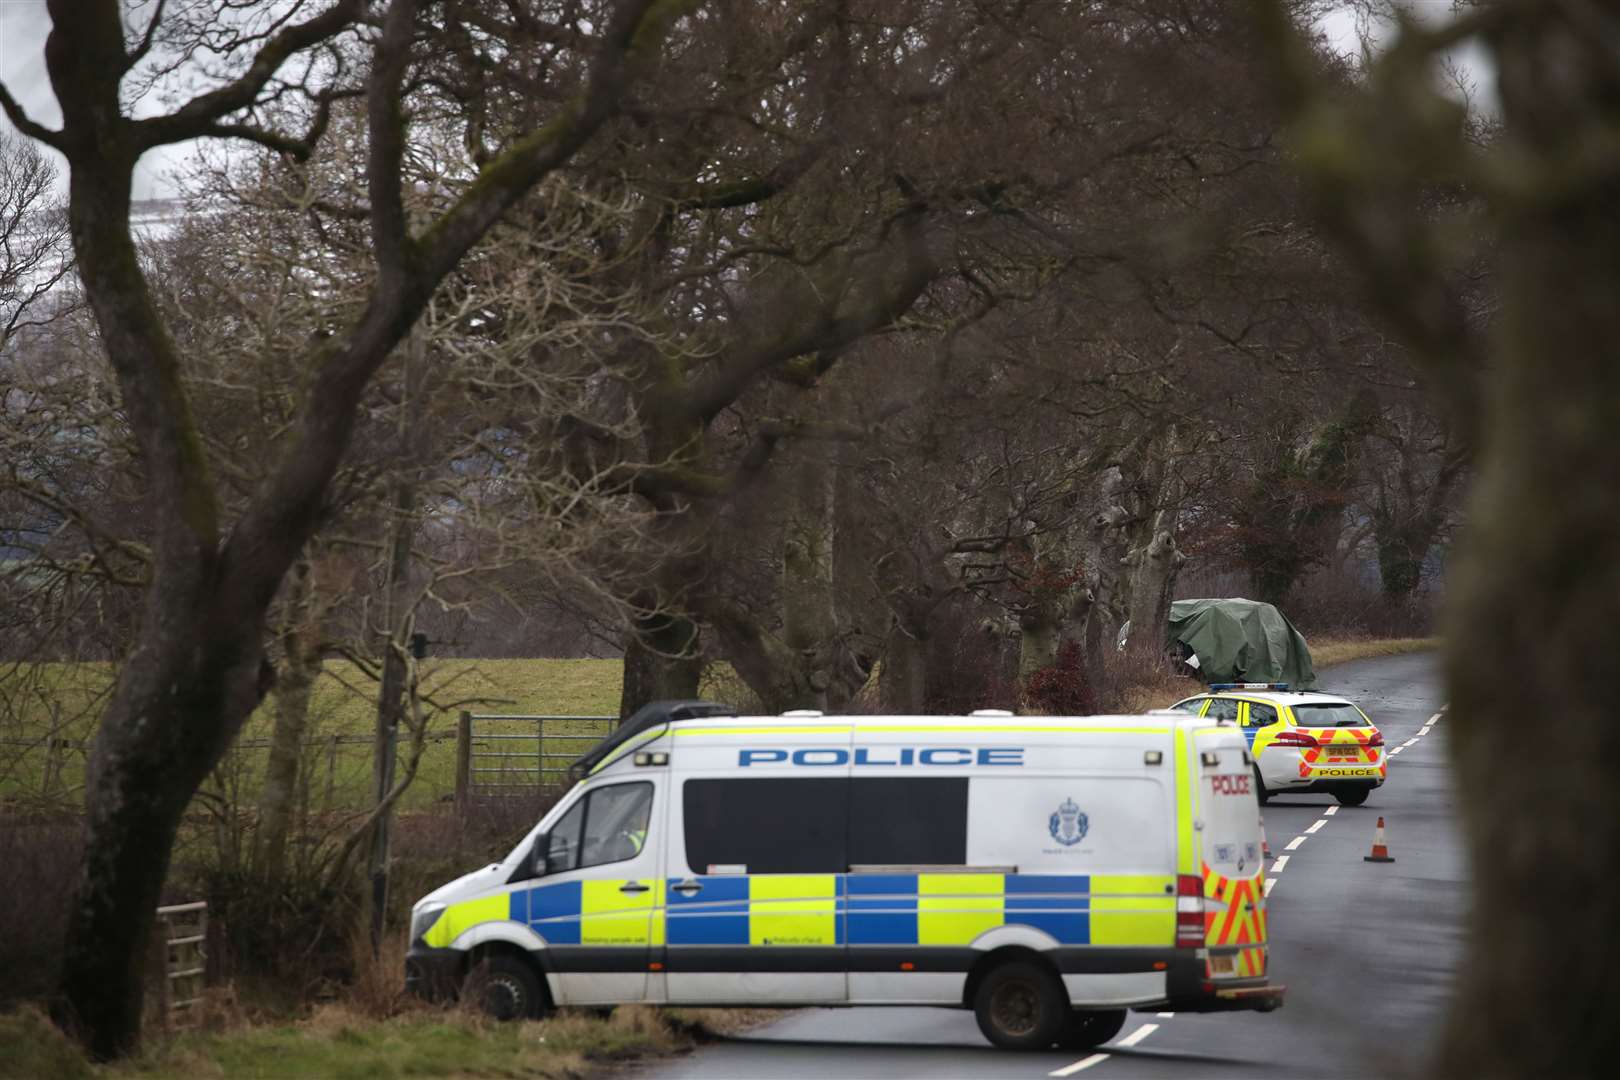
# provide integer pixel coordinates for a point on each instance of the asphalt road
(1366, 949)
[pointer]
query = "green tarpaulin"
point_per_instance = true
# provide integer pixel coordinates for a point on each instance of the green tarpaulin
(1241, 641)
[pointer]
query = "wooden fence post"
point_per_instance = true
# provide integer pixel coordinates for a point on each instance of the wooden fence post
(463, 758)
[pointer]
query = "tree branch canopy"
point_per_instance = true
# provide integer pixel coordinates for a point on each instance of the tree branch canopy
(198, 117)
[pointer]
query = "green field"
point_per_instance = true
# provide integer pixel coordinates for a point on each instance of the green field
(64, 701)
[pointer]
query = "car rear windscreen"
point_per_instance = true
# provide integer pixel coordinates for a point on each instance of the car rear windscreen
(1329, 715)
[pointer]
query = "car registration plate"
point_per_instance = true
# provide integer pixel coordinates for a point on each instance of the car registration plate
(1344, 751)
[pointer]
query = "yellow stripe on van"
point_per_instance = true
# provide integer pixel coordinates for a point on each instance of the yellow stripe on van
(1004, 729)
(793, 909)
(1188, 856)
(1133, 909)
(459, 918)
(842, 729)
(608, 916)
(953, 909)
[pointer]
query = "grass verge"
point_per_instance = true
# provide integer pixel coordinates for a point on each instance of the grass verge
(1327, 651)
(340, 1044)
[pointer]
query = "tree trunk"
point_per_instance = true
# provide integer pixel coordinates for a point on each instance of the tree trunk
(903, 686)
(279, 796)
(809, 616)
(182, 696)
(396, 626)
(1531, 630)
(295, 684)
(662, 662)
(1152, 580)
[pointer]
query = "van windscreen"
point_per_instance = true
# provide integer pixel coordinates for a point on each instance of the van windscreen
(1329, 714)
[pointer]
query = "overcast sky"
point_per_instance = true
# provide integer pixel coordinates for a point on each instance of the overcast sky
(24, 25)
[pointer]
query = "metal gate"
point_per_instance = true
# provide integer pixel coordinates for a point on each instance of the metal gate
(505, 756)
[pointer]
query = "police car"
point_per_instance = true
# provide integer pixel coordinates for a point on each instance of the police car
(1300, 742)
(1047, 873)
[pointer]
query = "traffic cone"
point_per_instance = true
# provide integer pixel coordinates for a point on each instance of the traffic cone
(1265, 845)
(1380, 853)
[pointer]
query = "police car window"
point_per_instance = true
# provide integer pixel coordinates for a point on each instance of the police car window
(1222, 709)
(615, 823)
(1261, 715)
(1329, 714)
(908, 820)
(1191, 705)
(767, 826)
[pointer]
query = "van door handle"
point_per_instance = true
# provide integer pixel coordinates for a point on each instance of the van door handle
(632, 886)
(687, 888)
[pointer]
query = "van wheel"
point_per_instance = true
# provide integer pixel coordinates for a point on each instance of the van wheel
(1021, 1006)
(504, 988)
(1260, 791)
(1085, 1029)
(1352, 796)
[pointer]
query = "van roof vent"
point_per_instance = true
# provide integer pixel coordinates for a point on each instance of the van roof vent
(804, 712)
(991, 712)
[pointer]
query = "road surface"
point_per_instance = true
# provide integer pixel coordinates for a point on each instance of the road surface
(1367, 950)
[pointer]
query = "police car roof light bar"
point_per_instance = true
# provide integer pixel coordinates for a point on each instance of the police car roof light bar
(1248, 686)
(649, 716)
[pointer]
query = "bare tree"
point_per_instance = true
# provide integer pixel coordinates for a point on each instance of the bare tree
(198, 669)
(1529, 627)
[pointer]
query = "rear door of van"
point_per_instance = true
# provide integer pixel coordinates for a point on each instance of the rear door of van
(1230, 855)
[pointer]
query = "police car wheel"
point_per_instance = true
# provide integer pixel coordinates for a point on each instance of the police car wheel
(1086, 1029)
(1352, 796)
(1021, 1006)
(1260, 791)
(503, 988)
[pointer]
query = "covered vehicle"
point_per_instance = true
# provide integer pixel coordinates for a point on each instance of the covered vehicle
(1240, 640)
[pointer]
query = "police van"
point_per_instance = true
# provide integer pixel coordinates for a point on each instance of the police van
(1048, 873)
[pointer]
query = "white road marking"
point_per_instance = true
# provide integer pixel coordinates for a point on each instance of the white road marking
(1097, 1059)
(1397, 750)
(1294, 843)
(1281, 861)
(1435, 717)
(1408, 742)
(1330, 811)
(1167, 1014)
(1083, 1063)
(1317, 824)
(1271, 883)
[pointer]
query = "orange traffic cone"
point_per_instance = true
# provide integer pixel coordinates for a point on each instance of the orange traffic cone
(1380, 852)
(1265, 845)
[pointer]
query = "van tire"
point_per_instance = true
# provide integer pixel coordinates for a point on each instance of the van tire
(1260, 791)
(1021, 1006)
(1087, 1029)
(503, 988)
(1352, 796)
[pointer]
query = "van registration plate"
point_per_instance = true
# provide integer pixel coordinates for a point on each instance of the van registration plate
(1222, 964)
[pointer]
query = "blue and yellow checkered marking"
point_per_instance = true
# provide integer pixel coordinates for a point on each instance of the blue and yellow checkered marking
(810, 910)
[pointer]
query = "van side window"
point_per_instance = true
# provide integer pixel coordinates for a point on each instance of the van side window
(608, 825)
(768, 826)
(1222, 709)
(908, 819)
(1261, 715)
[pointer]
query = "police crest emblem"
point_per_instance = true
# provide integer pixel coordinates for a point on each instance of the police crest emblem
(1068, 824)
